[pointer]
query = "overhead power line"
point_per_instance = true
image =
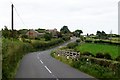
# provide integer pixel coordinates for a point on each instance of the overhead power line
(18, 14)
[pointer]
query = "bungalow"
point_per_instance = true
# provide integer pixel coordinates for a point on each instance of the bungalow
(53, 31)
(34, 34)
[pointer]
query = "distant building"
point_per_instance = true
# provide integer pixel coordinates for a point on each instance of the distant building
(34, 34)
(53, 31)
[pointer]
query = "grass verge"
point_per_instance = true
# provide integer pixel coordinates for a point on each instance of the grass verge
(99, 72)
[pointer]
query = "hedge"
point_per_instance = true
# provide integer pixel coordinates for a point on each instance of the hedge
(107, 42)
(114, 65)
(14, 50)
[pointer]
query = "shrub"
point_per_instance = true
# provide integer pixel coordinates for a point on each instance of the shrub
(26, 41)
(107, 56)
(99, 55)
(24, 36)
(37, 38)
(118, 58)
(76, 64)
(87, 54)
(66, 38)
(72, 45)
(82, 38)
(48, 36)
(88, 41)
(78, 40)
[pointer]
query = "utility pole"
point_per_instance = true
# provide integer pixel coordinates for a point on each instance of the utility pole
(12, 17)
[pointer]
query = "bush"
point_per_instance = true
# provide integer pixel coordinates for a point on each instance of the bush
(99, 55)
(66, 38)
(48, 36)
(37, 38)
(82, 38)
(24, 36)
(76, 64)
(78, 40)
(26, 41)
(87, 54)
(72, 45)
(88, 41)
(107, 56)
(118, 58)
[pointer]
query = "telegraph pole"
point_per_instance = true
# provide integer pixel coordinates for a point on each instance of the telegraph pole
(12, 17)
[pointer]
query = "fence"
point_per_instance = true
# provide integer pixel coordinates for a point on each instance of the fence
(68, 54)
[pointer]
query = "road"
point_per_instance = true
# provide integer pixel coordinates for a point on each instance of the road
(41, 65)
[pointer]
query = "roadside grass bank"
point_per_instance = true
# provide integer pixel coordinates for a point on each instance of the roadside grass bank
(98, 71)
(13, 51)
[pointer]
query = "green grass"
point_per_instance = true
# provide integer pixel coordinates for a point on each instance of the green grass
(90, 68)
(95, 48)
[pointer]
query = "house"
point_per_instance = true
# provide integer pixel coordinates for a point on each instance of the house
(54, 32)
(34, 34)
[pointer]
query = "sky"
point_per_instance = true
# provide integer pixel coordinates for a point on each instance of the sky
(87, 15)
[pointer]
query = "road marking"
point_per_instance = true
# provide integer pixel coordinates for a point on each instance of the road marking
(57, 79)
(41, 61)
(48, 69)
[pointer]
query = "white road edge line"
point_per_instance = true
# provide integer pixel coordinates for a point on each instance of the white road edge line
(48, 69)
(41, 61)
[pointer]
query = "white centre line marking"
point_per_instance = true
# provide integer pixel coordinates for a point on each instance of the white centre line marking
(41, 61)
(48, 69)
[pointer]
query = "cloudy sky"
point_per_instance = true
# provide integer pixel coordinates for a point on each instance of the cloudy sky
(87, 15)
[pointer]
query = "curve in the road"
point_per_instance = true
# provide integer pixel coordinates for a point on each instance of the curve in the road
(41, 65)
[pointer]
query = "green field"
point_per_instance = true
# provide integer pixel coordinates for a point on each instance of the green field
(95, 48)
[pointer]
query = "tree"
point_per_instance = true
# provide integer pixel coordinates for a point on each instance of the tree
(6, 33)
(78, 33)
(48, 36)
(87, 34)
(59, 34)
(101, 35)
(64, 30)
(23, 31)
(98, 33)
(40, 30)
